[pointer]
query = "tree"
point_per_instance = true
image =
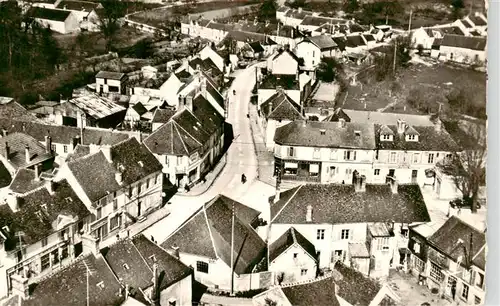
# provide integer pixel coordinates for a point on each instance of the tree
(384, 63)
(391, 9)
(267, 10)
(350, 6)
(459, 4)
(109, 20)
(467, 168)
(329, 69)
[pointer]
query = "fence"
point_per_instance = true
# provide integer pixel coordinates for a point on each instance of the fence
(253, 281)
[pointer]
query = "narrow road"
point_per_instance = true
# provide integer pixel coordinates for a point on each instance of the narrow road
(241, 158)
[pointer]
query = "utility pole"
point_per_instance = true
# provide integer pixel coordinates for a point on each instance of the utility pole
(394, 61)
(87, 273)
(232, 250)
(409, 25)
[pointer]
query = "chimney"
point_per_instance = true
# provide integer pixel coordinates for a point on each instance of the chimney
(255, 21)
(277, 195)
(154, 290)
(309, 213)
(50, 186)
(362, 184)
(300, 10)
(341, 123)
(13, 200)
(189, 103)
(175, 251)
(401, 126)
(180, 107)
(394, 185)
(119, 177)
(48, 144)
(20, 286)
(203, 86)
(438, 126)
(27, 154)
(6, 151)
(38, 167)
(4, 132)
(198, 69)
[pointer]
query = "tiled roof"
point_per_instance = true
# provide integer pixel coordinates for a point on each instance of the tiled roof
(208, 233)
(78, 5)
(293, 13)
(63, 201)
(139, 109)
(69, 286)
(326, 134)
(354, 287)
(478, 21)
(384, 118)
(110, 75)
(464, 42)
(48, 14)
(162, 115)
(354, 41)
(336, 203)
(451, 30)
(446, 238)
(282, 9)
(467, 24)
(96, 106)
(24, 181)
(280, 107)
(17, 143)
(190, 124)
(289, 238)
(429, 139)
(95, 175)
(323, 42)
(286, 51)
(341, 42)
(14, 111)
(358, 250)
(78, 152)
(320, 292)
(369, 37)
(215, 94)
(317, 21)
(287, 82)
(249, 37)
(210, 118)
(171, 139)
(184, 74)
(256, 47)
(134, 160)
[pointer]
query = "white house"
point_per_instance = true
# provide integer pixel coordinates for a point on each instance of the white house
(425, 37)
(204, 243)
(271, 84)
(463, 49)
(292, 257)
(209, 52)
(312, 49)
(85, 12)
(59, 21)
(110, 82)
(284, 62)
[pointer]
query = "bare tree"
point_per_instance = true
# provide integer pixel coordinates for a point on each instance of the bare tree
(467, 168)
(109, 20)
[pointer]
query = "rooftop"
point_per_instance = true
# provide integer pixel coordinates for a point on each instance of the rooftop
(326, 134)
(163, 115)
(280, 107)
(273, 81)
(82, 6)
(288, 239)
(49, 14)
(110, 75)
(208, 233)
(337, 203)
(96, 106)
(323, 42)
(385, 118)
(17, 143)
(464, 42)
(353, 286)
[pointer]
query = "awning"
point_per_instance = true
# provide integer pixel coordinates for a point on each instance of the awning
(314, 168)
(291, 165)
(404, 251)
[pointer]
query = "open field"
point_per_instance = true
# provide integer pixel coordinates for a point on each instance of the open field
(429, 84)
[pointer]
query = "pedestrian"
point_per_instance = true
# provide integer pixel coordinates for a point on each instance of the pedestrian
(153, 239)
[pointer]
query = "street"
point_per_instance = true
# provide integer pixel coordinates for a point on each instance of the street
(241, 159)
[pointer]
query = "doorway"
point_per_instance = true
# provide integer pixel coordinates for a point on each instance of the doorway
(78, 249)
(139, 206)
(451, 287)
(414, 174)
(392, 172)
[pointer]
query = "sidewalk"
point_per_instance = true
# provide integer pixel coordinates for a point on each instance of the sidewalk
(201, 187)
(224, 300)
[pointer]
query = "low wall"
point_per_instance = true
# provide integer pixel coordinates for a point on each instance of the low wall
(224, 13)
(252, 281)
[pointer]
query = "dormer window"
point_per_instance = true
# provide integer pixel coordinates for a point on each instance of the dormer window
(411, 137)
(357, 133)
(322, 132)
(126, 267)
(386, 137)
(100, 285)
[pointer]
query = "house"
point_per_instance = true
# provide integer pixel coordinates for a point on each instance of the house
(161, 116)
(252, 50)
(191, 141)
(21, 151)
(59, 21)
(110, 82)
(354, 288)
(242, 38)
(277, 111)
(356, 44)
(350, 223)
(271, 83)
(214, 56)
(88, 278)
(284, 62)
(293, 257)
(136, 117)
(85, 12)
(455, 261)
(479, 22)
(281, 11)
(312, 23)
(118, 184)
(323, 152)
(42, 229)
(294, 17)
(89, 110)
(322, 291)
(313, 49)
(204, 241)
(424, 37)
(463, 49)
(142, 265)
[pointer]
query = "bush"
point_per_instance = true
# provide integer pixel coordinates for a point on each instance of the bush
(28, 98)
(249, 293)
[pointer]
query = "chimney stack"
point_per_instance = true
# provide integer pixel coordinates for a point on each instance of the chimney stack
(20, 286)
(180, 107)
(341, 123)
(203, 86)
(50, 186)
(309, 213)
(4, 132)
(6, 151)
(189, 103)
(154, 290)
(277, 195)
(175, 251)
(48, 144)
(394, 185)
(38, 168)
(438, 126)
(119, 177)
(27, 153)
(401, 126)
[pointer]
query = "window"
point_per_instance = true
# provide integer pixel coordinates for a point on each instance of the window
(344, 234)
(393, 157)
(202, 266)
(147, 183)
(477, 300)
(65, 149)
(333, 154)
(416, 158)
(152, 258)
(430, 160)
(172, 302)
(166, 161)
(291, 152)
(99, 213)
(479, 281)
(338, 254)
(295, 255)
(139, 187)
(383, 243)
(376, 172)
(64, 252)
(416, 247)
(44, 242)
(102, 202)
(303, 272)
(179, 160)
(386, 137)
(436, 273)
(404, 232)
(115, 204)
(45, 262)
(55, 256)
(114, 222)
(349, 155)
(313, 169)
(316, 153)
(53, 147)
(130, 192)
(126, 267)
(412, 137)
(465, 292)
(320, 234)
(85, 18)
(419, 264)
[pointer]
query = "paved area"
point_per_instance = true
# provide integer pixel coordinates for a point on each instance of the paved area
(208, 299)
(411, 293)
